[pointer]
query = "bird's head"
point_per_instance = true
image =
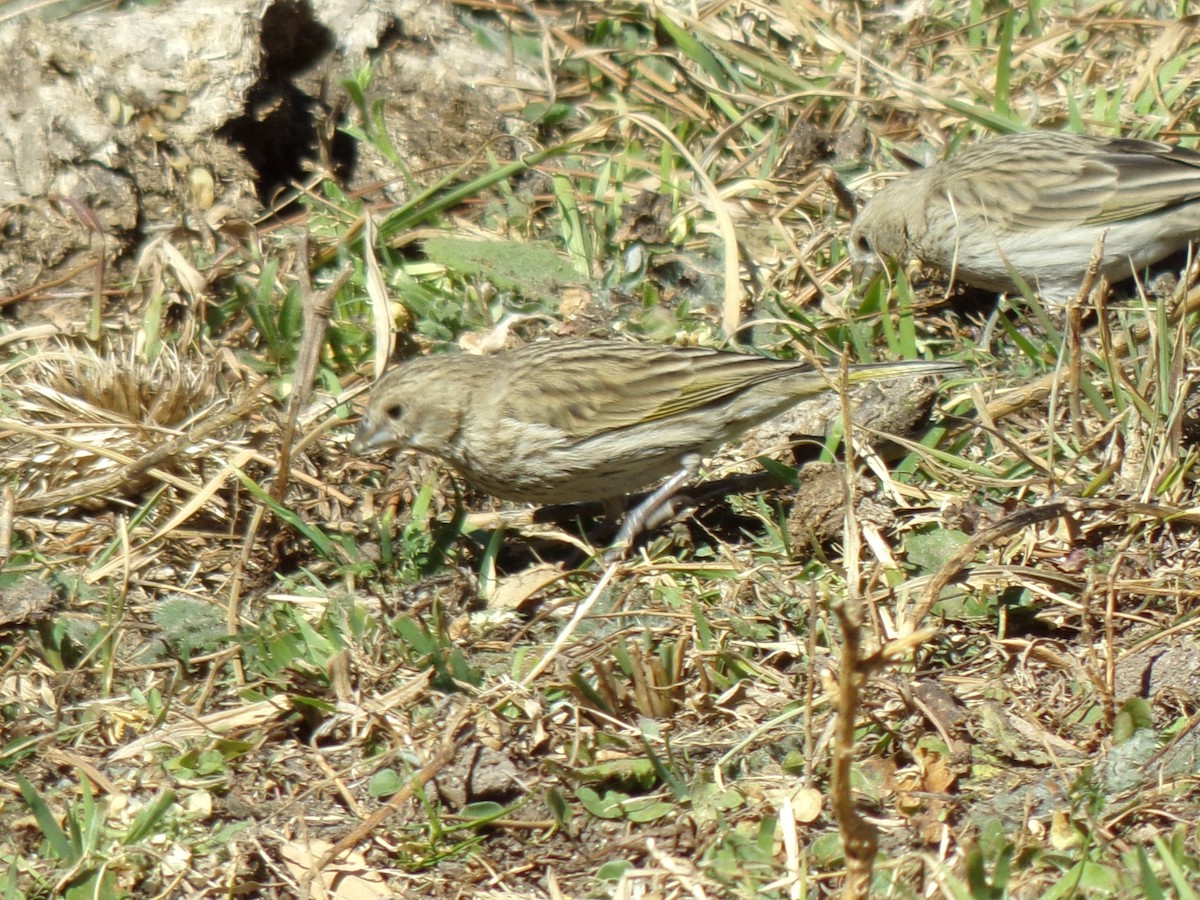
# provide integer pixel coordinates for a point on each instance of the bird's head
(880, 231)
(417, 405)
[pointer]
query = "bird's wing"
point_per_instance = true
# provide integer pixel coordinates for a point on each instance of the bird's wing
(1149, 177)
(1056, 181)
(619, 386)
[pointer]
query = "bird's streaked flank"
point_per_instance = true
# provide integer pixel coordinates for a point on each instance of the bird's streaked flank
(1037, 204)
(569, 421)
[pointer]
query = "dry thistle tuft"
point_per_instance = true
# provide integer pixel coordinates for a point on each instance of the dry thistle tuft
(74, 414)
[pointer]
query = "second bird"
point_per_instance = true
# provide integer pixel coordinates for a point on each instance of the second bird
(1037, 203)
(569, 421)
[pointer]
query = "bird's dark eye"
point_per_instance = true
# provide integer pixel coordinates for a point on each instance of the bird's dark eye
(394, 412)
(862, 244)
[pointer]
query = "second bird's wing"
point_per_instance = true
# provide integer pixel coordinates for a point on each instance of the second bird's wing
(1030, 183)
(1149, 177)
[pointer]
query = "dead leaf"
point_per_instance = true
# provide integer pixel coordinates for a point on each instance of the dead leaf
(806, 805)
(348, 878)
(512, 591)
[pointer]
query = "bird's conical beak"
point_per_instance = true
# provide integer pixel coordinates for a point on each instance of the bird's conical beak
(863, 270)
(368, 437)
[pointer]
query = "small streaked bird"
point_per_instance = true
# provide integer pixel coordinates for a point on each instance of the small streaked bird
(569, 421)
(1037, 204)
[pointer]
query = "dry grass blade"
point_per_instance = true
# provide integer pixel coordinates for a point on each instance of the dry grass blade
(317, 308)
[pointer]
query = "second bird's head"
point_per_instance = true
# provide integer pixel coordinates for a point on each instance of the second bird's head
(879, 233)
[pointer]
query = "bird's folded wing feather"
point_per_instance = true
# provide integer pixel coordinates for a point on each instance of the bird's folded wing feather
(1109, 182)
(1150, 179)
(592, 398)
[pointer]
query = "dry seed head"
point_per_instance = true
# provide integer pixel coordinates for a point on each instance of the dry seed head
(75, 413)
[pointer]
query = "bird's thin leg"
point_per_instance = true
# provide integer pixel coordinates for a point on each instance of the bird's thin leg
(650, 508)
(667, 511)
